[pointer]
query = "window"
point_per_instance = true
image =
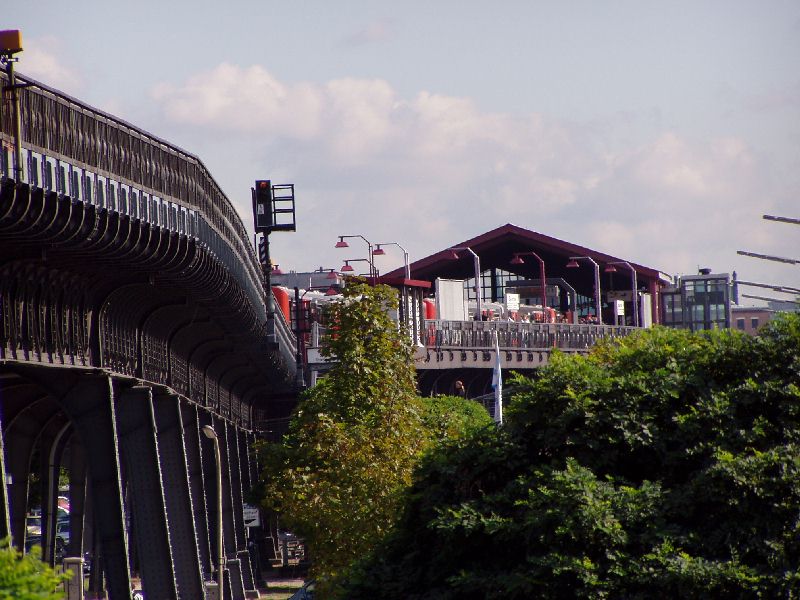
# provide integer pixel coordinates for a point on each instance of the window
(75, 187)
(112, 195)
(87, 187)
(123, 200)
(754, 322)
(49, 180)
(34, 170)
(740, 324)
(62, 179)
(101, 193)
(143, 206)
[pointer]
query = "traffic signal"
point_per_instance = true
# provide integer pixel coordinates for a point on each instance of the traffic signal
(262, 206)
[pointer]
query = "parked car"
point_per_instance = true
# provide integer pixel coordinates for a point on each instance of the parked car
(33, 525)
(62, 531)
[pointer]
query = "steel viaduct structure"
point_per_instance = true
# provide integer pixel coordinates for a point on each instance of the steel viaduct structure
(132, 314)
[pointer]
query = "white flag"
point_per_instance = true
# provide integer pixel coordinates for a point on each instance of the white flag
(497, 383)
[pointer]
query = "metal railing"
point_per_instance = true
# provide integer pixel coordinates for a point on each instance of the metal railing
(74, 149)
(479, 335)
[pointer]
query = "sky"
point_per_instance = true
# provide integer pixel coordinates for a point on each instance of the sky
(657, 132)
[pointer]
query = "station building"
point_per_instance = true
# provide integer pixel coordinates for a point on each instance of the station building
(572, 278)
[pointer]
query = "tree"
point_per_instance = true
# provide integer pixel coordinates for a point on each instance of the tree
(338, 477)
(26, 577)
(662, 465)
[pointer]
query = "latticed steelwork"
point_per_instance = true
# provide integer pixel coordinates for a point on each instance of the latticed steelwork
(107, 201)
(132, 313)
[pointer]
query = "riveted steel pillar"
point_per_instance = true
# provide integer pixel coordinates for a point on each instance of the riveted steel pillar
(228, 523)
(137, 431)
(21, 440)
(53, 441)
(248, 478)
(194, 461)
(177, 493)
(90, 403)
(5, 523)
(77, 498)
(237, 506)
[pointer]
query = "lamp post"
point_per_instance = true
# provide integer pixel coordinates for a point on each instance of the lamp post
(634, 286)
(380, 252)
(342, 244)
(517, 260)
(477, 263)
(209, 432)
(573, 263)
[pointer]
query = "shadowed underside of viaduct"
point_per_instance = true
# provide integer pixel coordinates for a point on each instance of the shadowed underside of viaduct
(132, 314)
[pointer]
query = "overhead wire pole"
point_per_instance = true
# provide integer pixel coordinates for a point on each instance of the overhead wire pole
(782, 219)
(783, 289)
(770, 299)
(781, 259)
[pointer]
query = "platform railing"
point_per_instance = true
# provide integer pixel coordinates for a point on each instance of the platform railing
(480, 335)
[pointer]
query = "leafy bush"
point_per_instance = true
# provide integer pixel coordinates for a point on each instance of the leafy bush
(338, 477)
(26, 577)
(662, 465)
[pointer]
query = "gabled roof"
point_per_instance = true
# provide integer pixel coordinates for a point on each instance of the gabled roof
(496, 248)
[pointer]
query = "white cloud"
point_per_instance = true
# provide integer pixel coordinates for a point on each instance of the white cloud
(42, 59)
(433, 170)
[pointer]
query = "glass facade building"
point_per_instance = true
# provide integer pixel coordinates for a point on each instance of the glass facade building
(698, 302)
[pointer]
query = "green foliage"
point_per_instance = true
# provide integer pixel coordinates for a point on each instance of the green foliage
(662, 465)
(451, 417)
(339, 475)
(26, 577)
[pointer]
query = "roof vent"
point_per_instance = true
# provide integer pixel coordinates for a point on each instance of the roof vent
(705, 271)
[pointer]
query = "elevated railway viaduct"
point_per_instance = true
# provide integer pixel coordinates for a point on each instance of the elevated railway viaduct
(133, 315)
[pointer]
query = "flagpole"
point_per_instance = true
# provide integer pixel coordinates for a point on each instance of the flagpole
(497, 382)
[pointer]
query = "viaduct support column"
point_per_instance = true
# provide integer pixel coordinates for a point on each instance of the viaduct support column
(229, 512)
(77, 499)
(149, 515)
(236, 465)
(5, 522)
(177, 491)
(194, 463)
(91, 404)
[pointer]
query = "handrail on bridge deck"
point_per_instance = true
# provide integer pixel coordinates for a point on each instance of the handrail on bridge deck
(479, 335)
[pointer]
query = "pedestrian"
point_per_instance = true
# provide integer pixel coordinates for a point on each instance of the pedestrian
(461, 392)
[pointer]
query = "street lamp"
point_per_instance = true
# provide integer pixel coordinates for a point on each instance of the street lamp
(347, 267)
(634, 286)
(209, 432)
(477, 263)
(517, 260)
(342, 244)
(573, 263)
(380, 252)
